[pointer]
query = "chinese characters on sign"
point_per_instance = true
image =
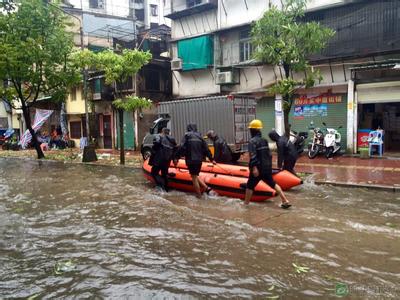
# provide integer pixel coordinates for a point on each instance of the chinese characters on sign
(318, 100)
(314, 106)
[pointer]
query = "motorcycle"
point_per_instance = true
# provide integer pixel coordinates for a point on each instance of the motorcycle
(298, 140)
(332, 141)
(317, 143)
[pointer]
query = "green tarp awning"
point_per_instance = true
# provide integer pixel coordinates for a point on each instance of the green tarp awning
(196, 53)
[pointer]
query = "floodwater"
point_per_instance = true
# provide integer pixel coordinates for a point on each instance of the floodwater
(81, 231)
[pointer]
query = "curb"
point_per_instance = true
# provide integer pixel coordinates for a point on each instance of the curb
(390, 188)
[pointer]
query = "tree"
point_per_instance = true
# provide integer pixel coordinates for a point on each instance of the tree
(117, 68)
(34, 56)
(283, 38)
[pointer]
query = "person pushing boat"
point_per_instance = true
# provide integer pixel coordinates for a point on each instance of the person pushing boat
(163, 151)
(194, 148)
(260, 164)
(222, 152)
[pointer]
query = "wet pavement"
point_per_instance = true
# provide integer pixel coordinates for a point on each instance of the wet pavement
(76, 231)
(379, 172)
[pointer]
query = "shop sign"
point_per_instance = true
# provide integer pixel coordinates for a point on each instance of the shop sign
(307, 111)
(322, 99)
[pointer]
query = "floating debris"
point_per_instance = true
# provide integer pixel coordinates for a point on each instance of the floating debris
(63, 267)
(300, 269)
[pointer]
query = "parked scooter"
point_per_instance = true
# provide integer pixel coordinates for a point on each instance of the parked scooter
(332, 141)
(317, 143)
(298, 139)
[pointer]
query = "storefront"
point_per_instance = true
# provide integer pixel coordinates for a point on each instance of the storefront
(310, 111)
(379, 108)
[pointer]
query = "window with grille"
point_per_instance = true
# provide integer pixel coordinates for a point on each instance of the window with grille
(246, 48)
(191, 3)
(154, 10)
(99, 4)
(73, 94)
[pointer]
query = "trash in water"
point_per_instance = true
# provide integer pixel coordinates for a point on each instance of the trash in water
(300, 269)
(63, 267)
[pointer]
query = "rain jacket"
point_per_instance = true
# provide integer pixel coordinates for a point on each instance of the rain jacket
(193, 147)
(287, 152)
(163, 151)
(222, 152)
(260, 156)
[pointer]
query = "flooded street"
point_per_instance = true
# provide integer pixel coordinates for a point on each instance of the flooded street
(85, 231)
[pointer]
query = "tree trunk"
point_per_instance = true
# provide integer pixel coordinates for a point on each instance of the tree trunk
(35, 143)
(121, 137)
(286, 112)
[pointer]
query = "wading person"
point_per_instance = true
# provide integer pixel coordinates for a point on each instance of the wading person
(163, 151)
(287, 152)
(222, 152)
(194, 148)
(260, 164)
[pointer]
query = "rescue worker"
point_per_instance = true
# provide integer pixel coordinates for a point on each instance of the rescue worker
(194, 148)
(163, 151)
(287, 152)
(260, 164)
(222, 152)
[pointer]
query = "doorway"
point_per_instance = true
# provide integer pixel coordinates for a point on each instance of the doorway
(107, 131)
(385, 116)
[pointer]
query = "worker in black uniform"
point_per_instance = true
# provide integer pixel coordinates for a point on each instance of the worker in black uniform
(287, 152)
(260, 164)
(163, 151)
(194, 148)
(222, 152)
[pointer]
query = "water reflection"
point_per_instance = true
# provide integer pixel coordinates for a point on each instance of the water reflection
(125, 240)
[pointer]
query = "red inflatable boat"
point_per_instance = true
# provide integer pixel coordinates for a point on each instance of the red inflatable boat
(225, 180)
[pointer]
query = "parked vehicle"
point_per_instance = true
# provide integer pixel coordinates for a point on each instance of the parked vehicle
(299, 140)
(317, 143)
(227, 115)
(332, 141)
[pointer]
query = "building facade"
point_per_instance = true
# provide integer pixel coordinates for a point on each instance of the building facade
(358, 65)
(109, 26)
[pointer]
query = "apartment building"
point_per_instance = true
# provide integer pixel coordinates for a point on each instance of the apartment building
(128, 24)
(360, 86)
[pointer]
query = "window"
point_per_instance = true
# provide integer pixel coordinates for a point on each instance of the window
(139, 14)
(152, 79)
(73, 94)
(154, 10)
(99, 4)
(246, 48)
(97, 85)
(191, 3)
(75, 129)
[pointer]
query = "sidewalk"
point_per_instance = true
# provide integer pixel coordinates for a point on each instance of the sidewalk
(351, 171)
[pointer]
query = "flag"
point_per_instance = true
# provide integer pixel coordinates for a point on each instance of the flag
(41, 116)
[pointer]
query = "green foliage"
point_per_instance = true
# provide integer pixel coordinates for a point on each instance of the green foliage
(132, 103)
(117, 69)
(281, 38)
(35, 52)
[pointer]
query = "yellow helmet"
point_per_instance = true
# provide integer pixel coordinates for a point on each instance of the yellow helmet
(255, 124)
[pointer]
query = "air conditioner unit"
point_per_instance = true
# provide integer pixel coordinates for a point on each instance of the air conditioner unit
(225, 77)
(176, 64)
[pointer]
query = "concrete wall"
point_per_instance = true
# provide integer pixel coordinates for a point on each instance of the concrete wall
(194, 83)
(77, 106)
(235, 12)
(111, 7)
(196, 24)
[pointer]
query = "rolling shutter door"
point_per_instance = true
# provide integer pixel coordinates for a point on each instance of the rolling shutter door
(379, 92)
